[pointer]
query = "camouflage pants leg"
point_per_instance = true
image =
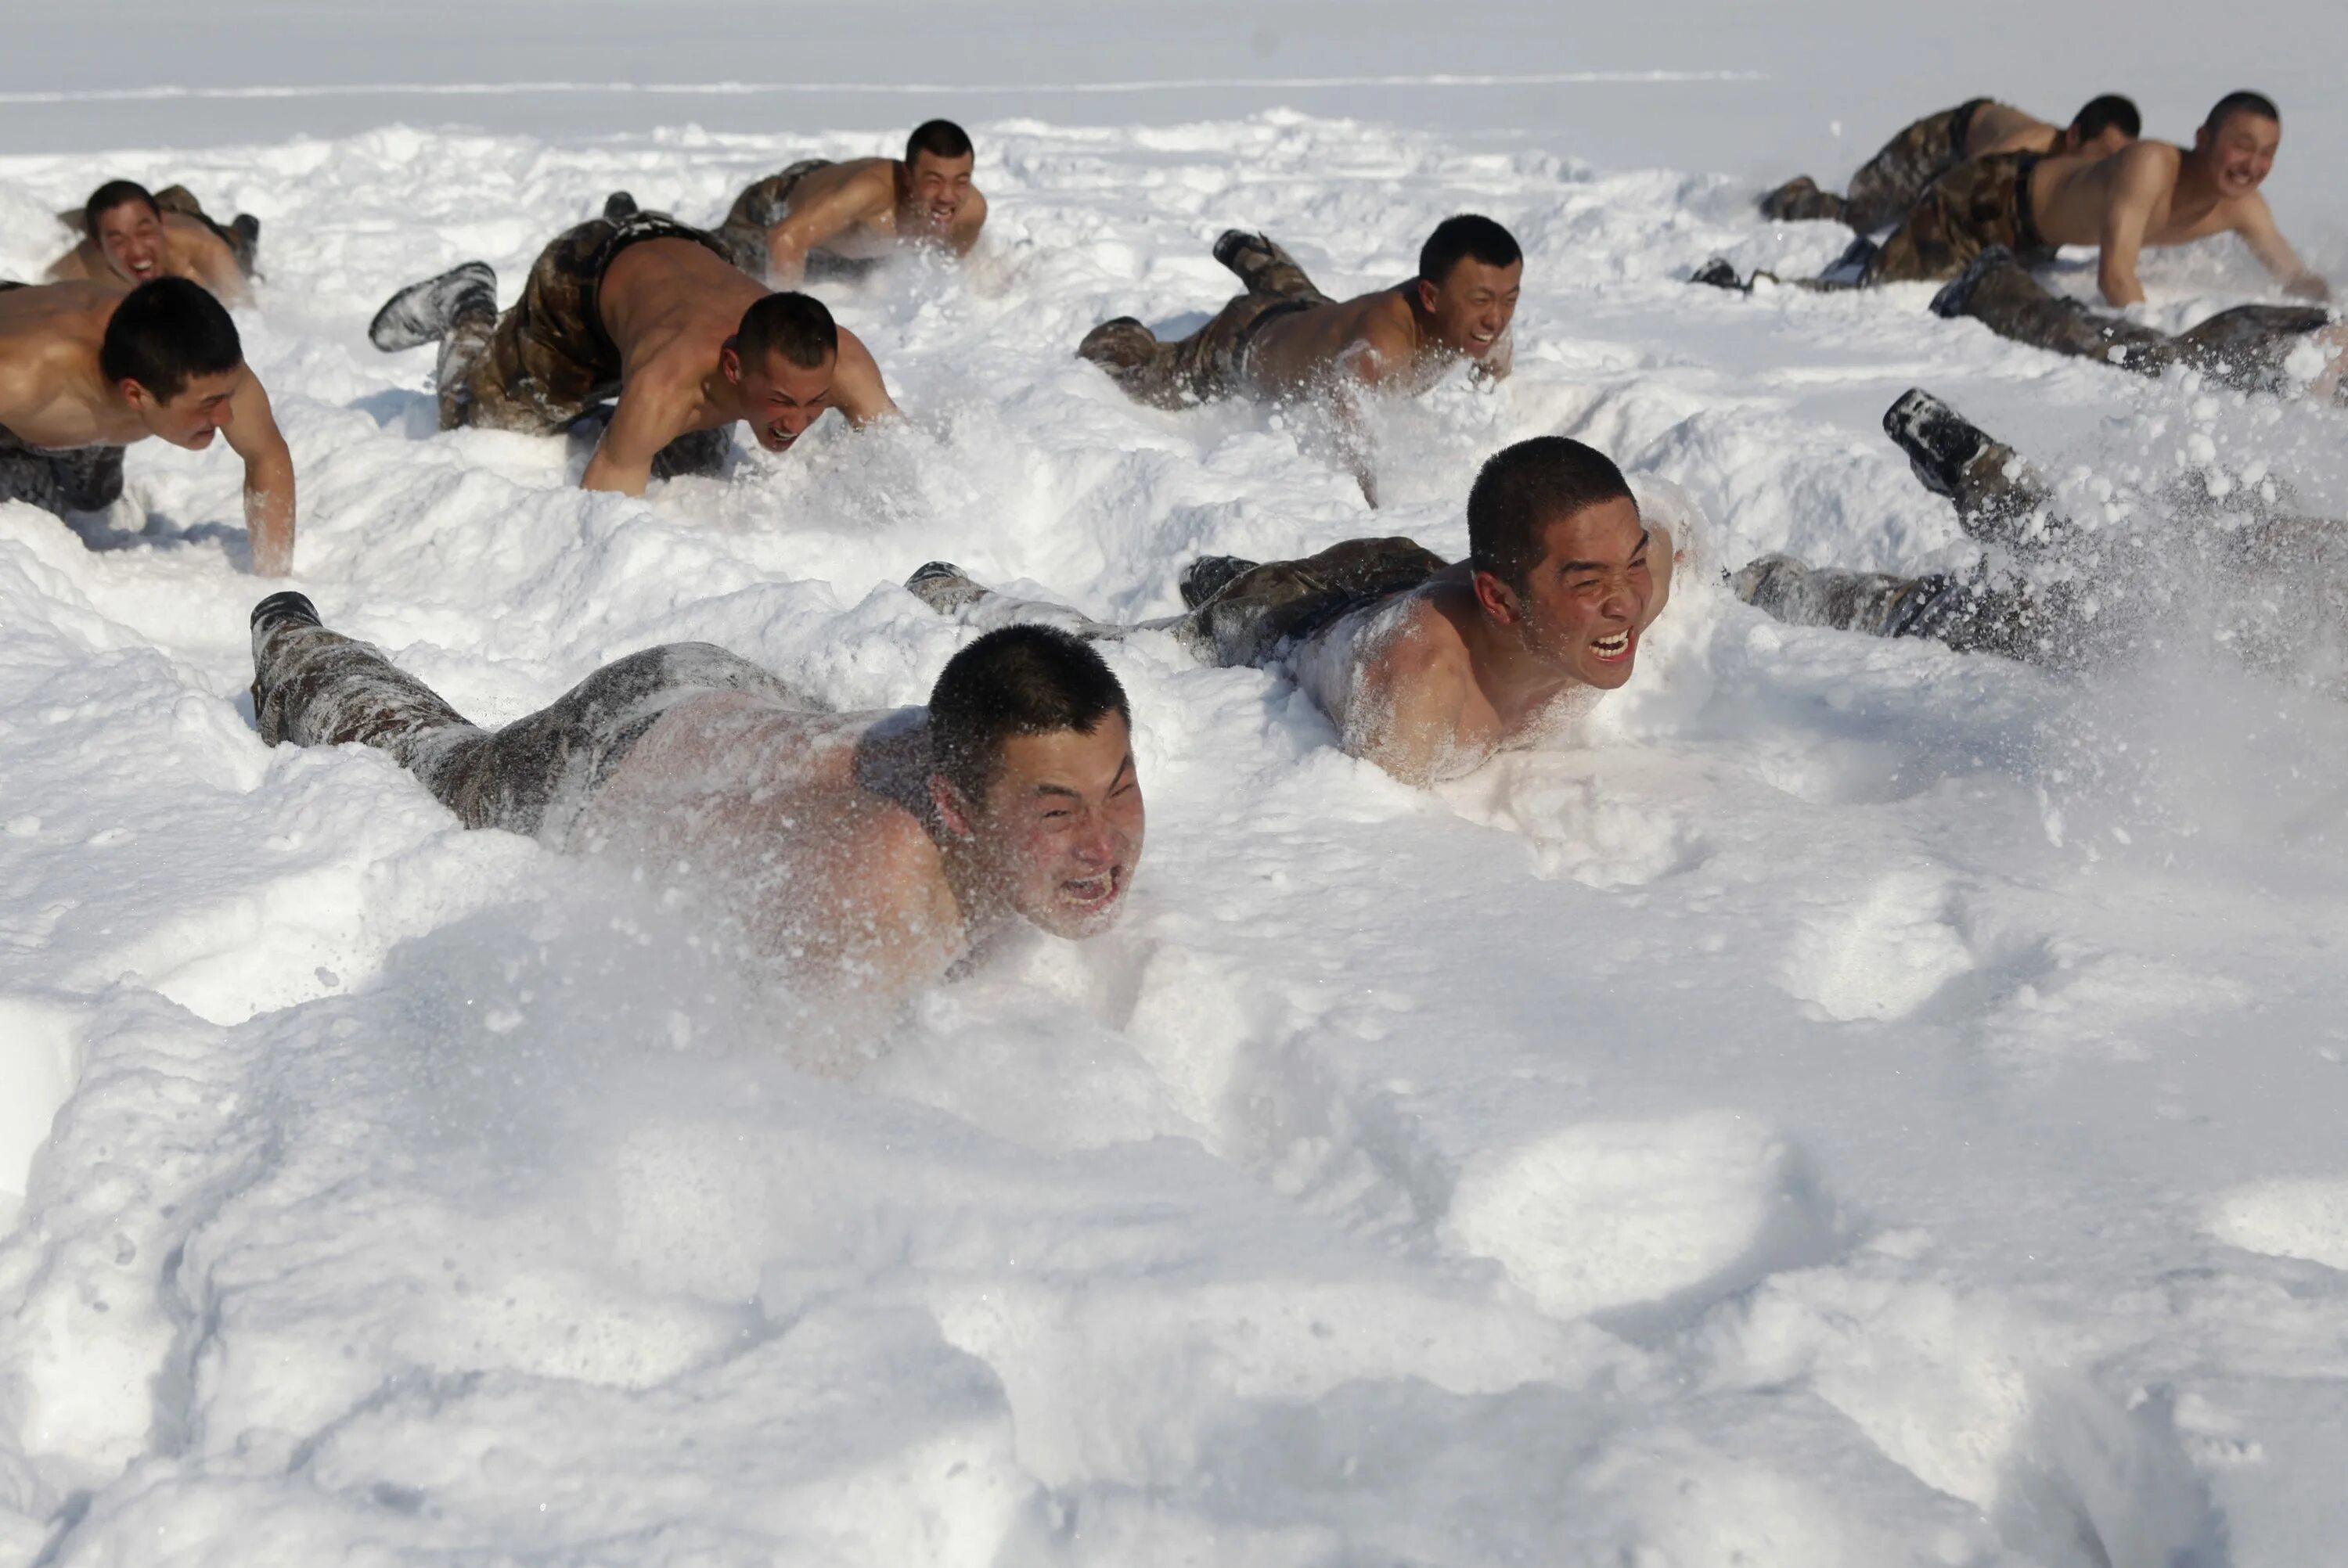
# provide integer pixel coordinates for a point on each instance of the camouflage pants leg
(2033, 625)
(1896, 177)
(1970, 210)
(1205, 365)
(761, 206)
(82, 479)
(2243, 347)
(542, 364)
(317, 687)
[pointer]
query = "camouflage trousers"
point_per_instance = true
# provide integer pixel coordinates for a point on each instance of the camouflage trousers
(1237, 612)
(2083, 602)
(75, 479)
(535, 776)
(1211, 363)
(1888, 184)
(2244, 347)
(546, 363)
(1976, 207)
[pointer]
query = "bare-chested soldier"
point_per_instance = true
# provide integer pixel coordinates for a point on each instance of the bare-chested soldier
(831, 218)
(858, 853)
(131, 236)
(1285, 339)
(1890, 182)
(84, 371)
(650, 310)
(1425, 669)
(2150, 193)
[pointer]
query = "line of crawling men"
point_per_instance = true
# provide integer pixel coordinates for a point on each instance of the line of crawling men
(874, 851)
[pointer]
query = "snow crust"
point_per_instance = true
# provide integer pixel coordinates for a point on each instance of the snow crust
(1854, 1105)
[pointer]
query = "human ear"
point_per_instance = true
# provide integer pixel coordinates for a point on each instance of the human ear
(1497, 600)
(1427, 294)
(952, 809)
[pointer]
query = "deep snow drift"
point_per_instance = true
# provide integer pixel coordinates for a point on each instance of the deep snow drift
(1857, 1105)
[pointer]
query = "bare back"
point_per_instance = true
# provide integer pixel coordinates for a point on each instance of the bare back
(669, 306)
(800, 824)
(853, 203)
(2071, 197)
(1398, 681)
(52, 392)
(2000, 127)
(1302, 350)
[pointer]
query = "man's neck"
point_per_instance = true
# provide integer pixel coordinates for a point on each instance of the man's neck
(2197, 186)
(722, 397)
(1427, 346)
(1513, 679)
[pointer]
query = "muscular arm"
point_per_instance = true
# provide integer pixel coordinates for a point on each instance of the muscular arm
(253, 435)
(2140, 177)
(858, 390)
(1364, 367)
(967, 224)
(809, 224)
(652, 412)
(2256, 225)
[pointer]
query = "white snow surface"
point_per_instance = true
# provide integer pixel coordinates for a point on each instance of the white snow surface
(1849, 1104)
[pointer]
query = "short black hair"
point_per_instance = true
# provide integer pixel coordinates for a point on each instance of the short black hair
(111, 195)
(938, 138)
(2108, 112)
(1523, 488)
(1456, 238)
(790, 323)
(1024, 680)
(2241, 103)
(166, 331)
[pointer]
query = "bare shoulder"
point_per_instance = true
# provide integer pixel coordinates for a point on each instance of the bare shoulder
(2148, 160)
(1415, 644)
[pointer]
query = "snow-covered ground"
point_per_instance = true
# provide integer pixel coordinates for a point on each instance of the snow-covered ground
(1857, 1105)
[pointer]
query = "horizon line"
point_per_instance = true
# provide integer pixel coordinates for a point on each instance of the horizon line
(752, 89)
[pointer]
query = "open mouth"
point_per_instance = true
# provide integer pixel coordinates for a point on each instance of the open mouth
(1481, 343)
(1091, 894)
(1614, 649)
(777, 438)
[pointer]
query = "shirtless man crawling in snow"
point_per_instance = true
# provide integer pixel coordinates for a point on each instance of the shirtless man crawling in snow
(831, 218)
(1285, 339)
(131, 236)
(1881, 193)
(1427, 669)
(85, 369)
(639, 306)
(2149, 194)
(858, 853)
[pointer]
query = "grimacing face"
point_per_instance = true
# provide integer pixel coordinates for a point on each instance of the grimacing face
(1473, 305)
(1583, 606)
(1060, 830)
(204, 407)
(2240, 150)
(940, 186)
(131, 236)
(781, 399)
